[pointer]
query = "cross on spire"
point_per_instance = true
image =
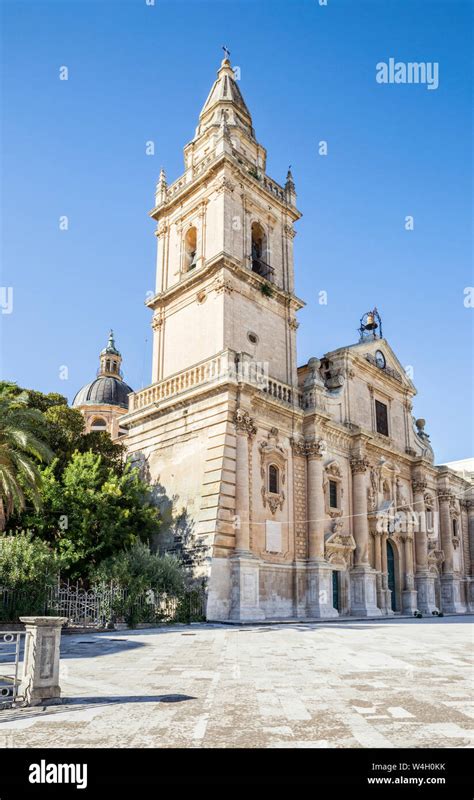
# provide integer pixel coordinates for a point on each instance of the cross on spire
(226, 52)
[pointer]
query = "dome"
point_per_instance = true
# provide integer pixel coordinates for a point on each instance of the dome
(104, 390)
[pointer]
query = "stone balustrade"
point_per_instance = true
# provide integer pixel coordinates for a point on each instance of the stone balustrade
(221, 367)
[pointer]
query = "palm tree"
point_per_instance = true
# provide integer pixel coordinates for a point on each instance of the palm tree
(21, 447)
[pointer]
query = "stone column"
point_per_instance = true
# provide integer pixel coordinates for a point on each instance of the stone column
(316, 514)
(450, 584)
(444, 499)
(421, 539)
(363, 577)
(424, 580)
(242, 493)
(360, 511)
(470, 528)
(245, 567)
(409, 595)
(378, 569)
(40, 683)
(386, 591)
(319, 571)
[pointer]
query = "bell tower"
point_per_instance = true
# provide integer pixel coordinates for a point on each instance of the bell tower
(216, 425)
(224, 274)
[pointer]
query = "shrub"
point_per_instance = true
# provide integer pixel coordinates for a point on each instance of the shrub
(26, 562)
(137, 569)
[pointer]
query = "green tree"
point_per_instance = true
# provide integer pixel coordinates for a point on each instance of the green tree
(91, 512)
(35, 399)
(66, 435)
(22, 446)
(64, 430)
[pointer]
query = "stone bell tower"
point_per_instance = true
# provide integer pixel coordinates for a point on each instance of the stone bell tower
(214, 426)
(224, 277)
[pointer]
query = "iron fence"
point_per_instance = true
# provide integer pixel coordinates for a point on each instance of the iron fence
(12, 648)
(103, 605)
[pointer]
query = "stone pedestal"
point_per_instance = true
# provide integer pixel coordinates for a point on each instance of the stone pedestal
(245, 593)
(451, 602)
(301, 593)
(40, 683)
(409, 601)
(425, 585)
(319, 577)
(364, 592)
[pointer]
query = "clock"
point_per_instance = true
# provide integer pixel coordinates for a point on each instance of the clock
(380, 359)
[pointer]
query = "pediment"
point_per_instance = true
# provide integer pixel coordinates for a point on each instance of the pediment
(381, 356)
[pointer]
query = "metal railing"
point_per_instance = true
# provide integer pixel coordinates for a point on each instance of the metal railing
(103, 605)
(11, 666)
(261, 268)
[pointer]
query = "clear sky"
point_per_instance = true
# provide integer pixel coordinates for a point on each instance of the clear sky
(139, 73)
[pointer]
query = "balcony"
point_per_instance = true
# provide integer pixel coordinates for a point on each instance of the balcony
(261, 268)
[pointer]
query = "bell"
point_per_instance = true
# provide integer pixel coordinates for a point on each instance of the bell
(370, 324)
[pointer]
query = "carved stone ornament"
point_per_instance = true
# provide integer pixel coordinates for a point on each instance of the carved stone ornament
(436, 557)
(274, 501)
(298, 447)
(225, 183)
(272, 453)
(359, 464)
(222, 284)
(418, 486)
(244, 423)
(157, 320)
(339, 546)
(316, 448)
(456, 542)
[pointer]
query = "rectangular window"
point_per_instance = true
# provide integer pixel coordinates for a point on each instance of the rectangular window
(333, 494)
(381, 417)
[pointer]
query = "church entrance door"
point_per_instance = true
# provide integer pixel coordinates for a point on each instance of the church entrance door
(335, 589)
(391, 575)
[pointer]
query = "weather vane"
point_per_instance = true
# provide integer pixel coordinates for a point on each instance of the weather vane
(226, 51)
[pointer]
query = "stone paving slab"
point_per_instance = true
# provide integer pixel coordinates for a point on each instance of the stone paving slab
(383, 683)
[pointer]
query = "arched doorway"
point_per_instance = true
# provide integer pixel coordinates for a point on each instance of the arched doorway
(335, 589)
(391, 574)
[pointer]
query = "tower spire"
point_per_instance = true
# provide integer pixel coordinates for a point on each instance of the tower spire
(225, 95)
(110, 358)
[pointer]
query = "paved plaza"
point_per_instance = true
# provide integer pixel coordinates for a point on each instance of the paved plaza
(393, 683)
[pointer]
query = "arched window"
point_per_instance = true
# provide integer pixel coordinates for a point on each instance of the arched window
(455, 527)
(259, 252)
(98, 424)
(190, 248)
(273, 479)
(107, 366)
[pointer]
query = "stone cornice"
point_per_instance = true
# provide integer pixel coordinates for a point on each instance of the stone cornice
(189, 187)
(211, 268)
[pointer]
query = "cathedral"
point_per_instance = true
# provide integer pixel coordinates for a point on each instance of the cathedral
(311, 489)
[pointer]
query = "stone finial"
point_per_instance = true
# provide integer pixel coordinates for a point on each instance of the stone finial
(290, 190)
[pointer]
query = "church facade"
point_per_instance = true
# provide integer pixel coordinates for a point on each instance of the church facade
(313, 490)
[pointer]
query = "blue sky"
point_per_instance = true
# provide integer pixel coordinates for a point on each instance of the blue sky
(140, 73)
